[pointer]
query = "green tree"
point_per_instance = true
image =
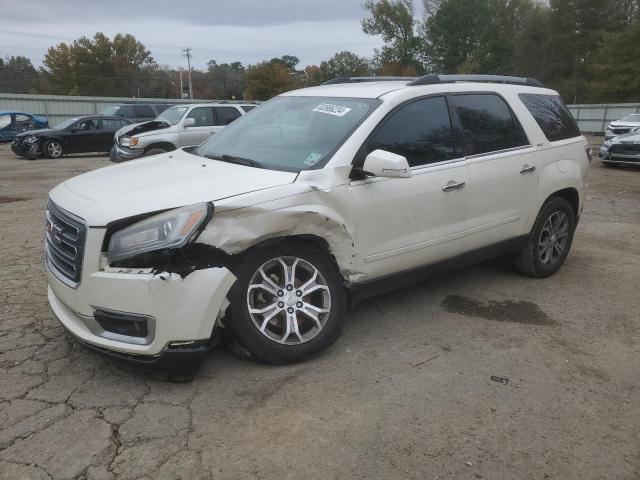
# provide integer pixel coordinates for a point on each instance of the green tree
(394, 21)
(345, 64)
(228, 79)
(98, 66)
(268, 79)
(17, 75)
(615, 68)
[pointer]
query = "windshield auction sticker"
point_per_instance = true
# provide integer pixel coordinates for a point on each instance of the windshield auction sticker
(337, 110)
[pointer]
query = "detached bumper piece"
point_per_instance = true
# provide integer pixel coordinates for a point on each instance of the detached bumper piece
(178, 362)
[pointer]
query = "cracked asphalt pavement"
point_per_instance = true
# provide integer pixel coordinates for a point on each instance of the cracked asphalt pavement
(405, 393)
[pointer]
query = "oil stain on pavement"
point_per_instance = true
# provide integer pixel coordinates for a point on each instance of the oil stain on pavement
(507, 311)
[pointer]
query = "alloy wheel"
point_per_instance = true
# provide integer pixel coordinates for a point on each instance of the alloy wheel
(554, 238)
(54, 149)
(288, 300)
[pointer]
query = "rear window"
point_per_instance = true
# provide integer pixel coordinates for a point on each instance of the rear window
(143, 111)
(226, 115)
(552, 115)
(487, 123)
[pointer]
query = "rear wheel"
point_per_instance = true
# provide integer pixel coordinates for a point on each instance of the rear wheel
(550, 239)
(52, 149)
(288, 303)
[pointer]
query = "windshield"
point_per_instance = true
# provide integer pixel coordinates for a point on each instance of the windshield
(112, 110)
(290, 133)
(67, 123)
(172, 115)
(631, 118)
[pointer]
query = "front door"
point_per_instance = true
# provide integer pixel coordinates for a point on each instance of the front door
(83, 137)
(404, 223)
(202, 128)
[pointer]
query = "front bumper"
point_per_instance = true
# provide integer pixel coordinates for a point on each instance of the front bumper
(181, 309)
(124, 154)
(619, 158)
(23, 148)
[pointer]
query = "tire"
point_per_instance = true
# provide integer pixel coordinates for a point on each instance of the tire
(291, 333)
(52, 149)
(154, 151)
(549, 241)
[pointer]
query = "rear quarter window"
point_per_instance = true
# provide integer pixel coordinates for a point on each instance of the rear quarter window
(552, 115)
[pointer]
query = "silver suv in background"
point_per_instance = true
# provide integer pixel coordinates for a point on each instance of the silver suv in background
(625, 125)
(178, 126)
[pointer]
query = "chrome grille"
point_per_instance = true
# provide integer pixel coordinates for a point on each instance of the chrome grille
(65, 236)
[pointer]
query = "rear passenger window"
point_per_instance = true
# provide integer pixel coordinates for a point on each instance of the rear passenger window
(125, 111)
(420, 131)
(553, 117)
(143, 111)
(487, 124)
(226, 115)
(110, 124)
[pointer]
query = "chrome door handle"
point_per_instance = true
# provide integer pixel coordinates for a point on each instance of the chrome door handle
(453, 185)
(527, 169)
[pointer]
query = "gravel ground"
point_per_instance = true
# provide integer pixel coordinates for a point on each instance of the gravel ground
(405, 393)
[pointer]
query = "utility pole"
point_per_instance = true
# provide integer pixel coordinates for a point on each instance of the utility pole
(187, 53)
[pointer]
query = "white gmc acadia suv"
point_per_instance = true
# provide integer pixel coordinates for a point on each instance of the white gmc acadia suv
(270, 229)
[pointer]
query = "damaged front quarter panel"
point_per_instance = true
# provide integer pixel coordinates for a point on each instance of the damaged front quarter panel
(307, 214)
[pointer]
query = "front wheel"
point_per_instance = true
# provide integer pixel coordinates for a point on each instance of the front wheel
(549, 241)
(288, 303)
(52, 149)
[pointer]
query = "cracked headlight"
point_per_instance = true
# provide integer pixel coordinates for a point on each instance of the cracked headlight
(31, 139)
(172, 229)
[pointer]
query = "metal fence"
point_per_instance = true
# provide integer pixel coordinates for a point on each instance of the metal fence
(591, 118)
(58, 108)
(595, 118)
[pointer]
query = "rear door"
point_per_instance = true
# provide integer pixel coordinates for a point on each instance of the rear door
(107, 129)
(403, 223)
(503, 174)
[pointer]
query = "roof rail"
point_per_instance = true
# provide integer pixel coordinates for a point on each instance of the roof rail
(337, 80)
(431, 79)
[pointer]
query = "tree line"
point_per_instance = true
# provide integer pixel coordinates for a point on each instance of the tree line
(589, 50)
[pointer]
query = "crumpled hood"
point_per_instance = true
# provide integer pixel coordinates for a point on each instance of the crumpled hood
(140, 129)
(632, 137)
(161, 182)
(28, 133)
(621, 124)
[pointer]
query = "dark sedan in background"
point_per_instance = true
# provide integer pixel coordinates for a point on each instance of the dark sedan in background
(77, 135)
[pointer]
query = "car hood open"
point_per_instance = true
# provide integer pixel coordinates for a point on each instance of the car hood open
(161, 182)
(141, 128)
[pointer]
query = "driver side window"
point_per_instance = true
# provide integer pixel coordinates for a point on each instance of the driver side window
(420, 131)
(88, 124)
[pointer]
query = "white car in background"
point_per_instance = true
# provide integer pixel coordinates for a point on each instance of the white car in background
(624, 125)
(269, 230)
(176, 127)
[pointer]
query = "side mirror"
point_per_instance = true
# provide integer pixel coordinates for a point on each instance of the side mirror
(381, 163)
(189, 122)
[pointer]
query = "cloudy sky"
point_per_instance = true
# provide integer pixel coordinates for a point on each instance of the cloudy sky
(225, 30)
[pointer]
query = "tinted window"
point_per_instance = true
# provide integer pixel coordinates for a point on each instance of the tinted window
(110, 124)
(248, 108)
(143, 111)
(552, 116)
(202, 115)
(419, 131)
(21, 117)
(226, 115)
(487, 124)
(88, 124)
(125, 111)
